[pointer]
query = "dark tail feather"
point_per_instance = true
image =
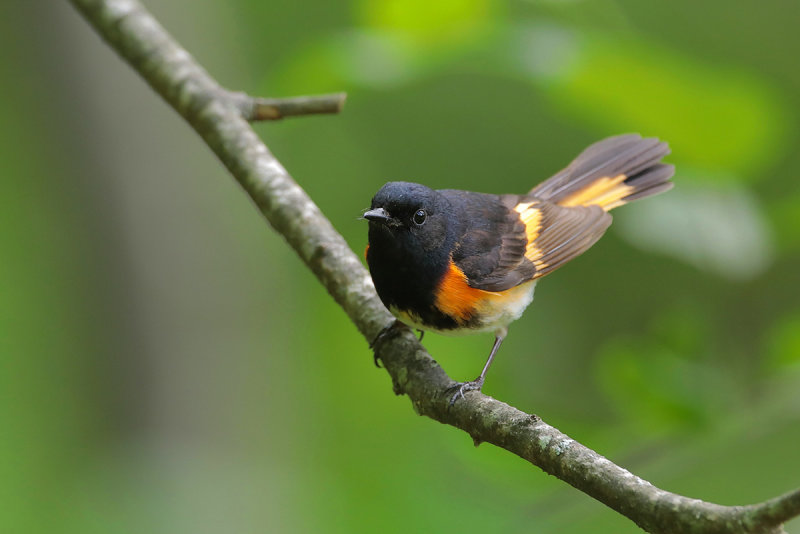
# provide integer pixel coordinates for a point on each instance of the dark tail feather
(610, 173)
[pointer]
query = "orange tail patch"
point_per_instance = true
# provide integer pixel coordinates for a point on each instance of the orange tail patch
(606, 192)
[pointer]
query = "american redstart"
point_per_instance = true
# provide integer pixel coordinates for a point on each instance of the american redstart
(459, 262)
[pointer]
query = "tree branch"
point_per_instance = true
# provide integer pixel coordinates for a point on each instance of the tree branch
(220, 118)
(271, 109)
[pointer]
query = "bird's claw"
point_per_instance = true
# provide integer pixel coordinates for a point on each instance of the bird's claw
(464, 387)
(381, 337)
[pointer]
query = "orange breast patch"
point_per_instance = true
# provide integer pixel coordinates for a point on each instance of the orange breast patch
(456, 298)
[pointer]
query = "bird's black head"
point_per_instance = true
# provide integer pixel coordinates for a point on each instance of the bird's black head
(409, 245)
(408, 216)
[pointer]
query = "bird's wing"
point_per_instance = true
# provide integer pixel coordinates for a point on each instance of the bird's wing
(516, 239)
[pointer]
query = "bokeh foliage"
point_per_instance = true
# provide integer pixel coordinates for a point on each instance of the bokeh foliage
(169, 366)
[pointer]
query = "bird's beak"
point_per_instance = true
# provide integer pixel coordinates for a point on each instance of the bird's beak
(378, 215)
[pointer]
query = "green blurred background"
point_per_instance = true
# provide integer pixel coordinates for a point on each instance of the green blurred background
(168, 365)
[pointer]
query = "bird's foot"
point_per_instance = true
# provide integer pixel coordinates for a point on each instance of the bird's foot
(384, 334)
(464, 387)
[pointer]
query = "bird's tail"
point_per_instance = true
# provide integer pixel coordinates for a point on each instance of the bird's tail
(610, 173)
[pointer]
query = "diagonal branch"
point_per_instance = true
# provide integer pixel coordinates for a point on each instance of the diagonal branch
(220, 118)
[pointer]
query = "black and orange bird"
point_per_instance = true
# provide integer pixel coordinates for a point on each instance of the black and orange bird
(458, 262)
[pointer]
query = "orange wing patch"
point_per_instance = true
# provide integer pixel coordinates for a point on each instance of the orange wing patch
(531, 216)
(605, 192)
(456, 298)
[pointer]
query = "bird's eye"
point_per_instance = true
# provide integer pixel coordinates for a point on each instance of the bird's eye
(419, 217)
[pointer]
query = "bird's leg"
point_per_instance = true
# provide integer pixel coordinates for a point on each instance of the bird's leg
(477, 384)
